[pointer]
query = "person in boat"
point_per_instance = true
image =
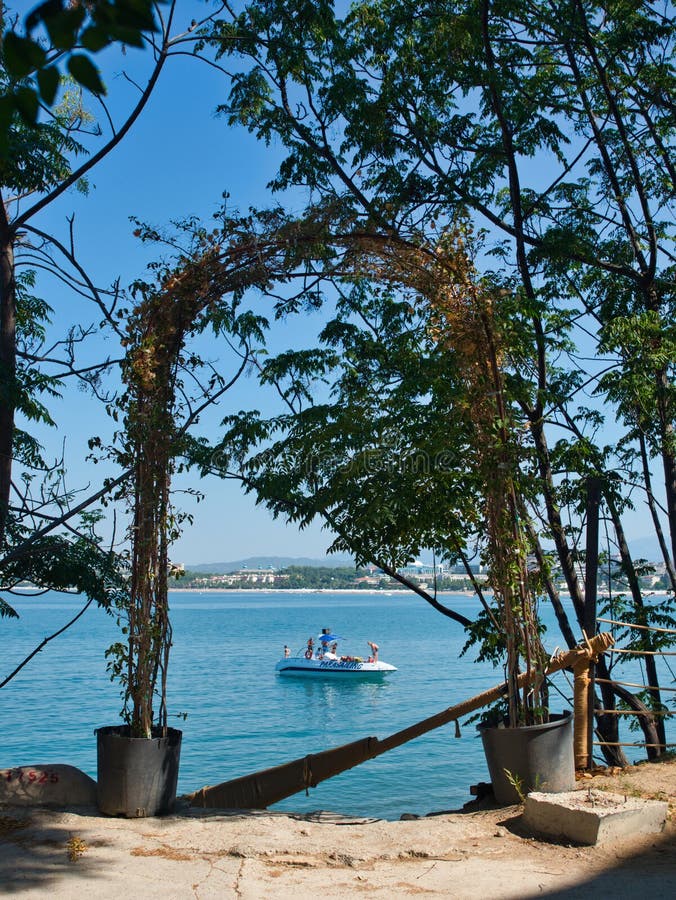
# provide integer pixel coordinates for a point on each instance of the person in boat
(287, 652)
(324, 644)
(374, 652)
(309, 653)
(330, 653)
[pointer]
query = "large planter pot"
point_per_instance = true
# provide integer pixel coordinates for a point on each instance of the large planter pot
(137, 776)
(530, 758)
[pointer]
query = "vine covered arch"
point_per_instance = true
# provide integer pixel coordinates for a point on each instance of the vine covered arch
(201, 290)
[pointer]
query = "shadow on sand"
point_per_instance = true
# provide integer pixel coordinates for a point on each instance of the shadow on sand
(648, 872)
(35, 852)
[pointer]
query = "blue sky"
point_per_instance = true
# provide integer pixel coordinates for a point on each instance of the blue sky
(177, 161)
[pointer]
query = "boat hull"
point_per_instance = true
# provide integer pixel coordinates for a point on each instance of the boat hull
(299, 667)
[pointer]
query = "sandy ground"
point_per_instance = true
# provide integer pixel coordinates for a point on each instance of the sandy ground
(478, 852)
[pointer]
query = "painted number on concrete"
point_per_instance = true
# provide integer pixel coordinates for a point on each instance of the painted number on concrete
(29, 775)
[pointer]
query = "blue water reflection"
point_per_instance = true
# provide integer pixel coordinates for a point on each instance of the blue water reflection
(241, 716)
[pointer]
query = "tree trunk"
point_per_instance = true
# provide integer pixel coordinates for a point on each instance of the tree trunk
(667, 556)
(554, 521)
(608, 726)
(668, 460)
(7, 364)
(637, 596)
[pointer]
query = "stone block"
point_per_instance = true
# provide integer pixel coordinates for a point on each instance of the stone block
(590, 816)
(55, 785)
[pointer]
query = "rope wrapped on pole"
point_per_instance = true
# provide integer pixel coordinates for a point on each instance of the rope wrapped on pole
(261, 789)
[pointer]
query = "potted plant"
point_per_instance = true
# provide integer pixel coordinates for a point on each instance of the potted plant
(200, 288)
(526, 747)
(138, 760)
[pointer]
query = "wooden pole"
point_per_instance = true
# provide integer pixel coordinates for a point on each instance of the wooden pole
(260, 789)
(585, 727)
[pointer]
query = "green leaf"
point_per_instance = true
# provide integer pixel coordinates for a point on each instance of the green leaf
(21, 55)
(26, 100)
(138, 14)
(85, 73)
(42, 11)
(63, 27)
(130, 36)
(7, 108)
(7, 611)
(48, 82)
(95, 38)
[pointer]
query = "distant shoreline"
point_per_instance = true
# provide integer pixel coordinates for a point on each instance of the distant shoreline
(376, 591)
(366, 591)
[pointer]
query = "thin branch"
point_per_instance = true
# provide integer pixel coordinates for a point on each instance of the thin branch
(44, 643)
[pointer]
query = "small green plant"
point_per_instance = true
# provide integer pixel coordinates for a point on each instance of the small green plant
(496, 715)
(520, 786)
(517, 783)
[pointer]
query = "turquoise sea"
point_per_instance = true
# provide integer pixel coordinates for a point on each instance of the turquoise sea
(241, 717)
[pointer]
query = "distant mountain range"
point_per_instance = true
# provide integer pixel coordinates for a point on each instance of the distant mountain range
(265, 562)
(643, 547)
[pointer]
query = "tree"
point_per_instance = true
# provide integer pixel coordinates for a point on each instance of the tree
(200, 288)
(76, 31)
(48, 533)
(184, 299)
(551, 126)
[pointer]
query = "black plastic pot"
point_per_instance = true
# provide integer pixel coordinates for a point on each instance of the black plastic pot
(530, 758)
(137, 776)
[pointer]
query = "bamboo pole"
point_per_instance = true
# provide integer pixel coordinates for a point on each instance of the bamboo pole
(644, 687)
(584, 671)
(261, 789)
(620, 744)
(641, 627)
(581, 739)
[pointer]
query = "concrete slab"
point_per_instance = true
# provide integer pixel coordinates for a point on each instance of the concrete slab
(593, 817)
(55, 785)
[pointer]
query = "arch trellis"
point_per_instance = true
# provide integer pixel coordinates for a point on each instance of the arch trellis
(253, 252)
(186, 299)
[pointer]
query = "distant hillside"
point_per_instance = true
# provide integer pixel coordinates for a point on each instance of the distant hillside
(264, 562)
(645, 548)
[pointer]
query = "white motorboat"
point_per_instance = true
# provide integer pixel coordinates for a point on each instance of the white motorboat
(325, 661)
(339, 668)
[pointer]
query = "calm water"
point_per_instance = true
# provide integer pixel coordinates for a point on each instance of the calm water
(241, 717)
